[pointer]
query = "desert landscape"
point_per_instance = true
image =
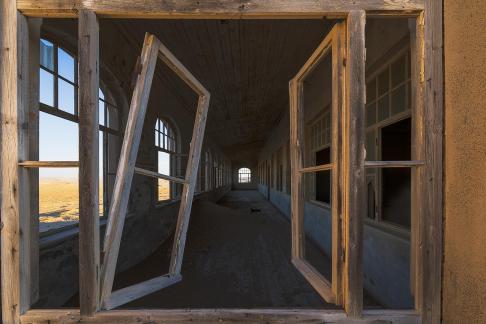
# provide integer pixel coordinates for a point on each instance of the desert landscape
(59, 201)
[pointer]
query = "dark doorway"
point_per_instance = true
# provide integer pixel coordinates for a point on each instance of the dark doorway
(396, 146)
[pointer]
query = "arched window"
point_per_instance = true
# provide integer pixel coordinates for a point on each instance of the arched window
(165, 143)
(244, 175)
(58, 138)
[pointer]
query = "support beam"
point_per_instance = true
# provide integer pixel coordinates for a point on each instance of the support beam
(89, 227)
(15, 98)
(433, 103)
(215, 9)
(354, 172)
(157, 175)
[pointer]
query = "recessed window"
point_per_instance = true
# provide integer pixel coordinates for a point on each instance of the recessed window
(244, 175)
(58, 138)
(165, 143)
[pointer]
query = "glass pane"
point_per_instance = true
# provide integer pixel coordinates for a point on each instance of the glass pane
(66, 96)
(371, 91)
(46, 88)
(383, 85)
(65, 65)
(156, 138)
(371, 114)
(383, 108)
(101, 109)
(398, 100)
(101, 172)
(58, 140)
(47, 54)
(58, 198)
(398, 71)
(163, 168)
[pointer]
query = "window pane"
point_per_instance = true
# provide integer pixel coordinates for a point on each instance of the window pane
(164, 168)
(383, 108)
(383, 85)
(101, 109)
(58, 198)
(398, 71)
(398, 100)
(66, 96)
(65, 65)
(47, 54)
(101, 172)
(46, 88)
(58, 140)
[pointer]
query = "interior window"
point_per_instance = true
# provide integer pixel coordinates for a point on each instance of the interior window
(165, 143)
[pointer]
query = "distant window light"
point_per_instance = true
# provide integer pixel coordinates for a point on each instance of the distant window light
(244, 175)
(164, 137)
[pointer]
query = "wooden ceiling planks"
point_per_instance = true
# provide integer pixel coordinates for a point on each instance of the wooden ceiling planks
(246, 65)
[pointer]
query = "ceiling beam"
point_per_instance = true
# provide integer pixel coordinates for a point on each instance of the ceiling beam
(216, 9)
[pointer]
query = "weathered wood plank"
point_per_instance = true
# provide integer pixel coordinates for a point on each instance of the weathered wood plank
(296, 163)
(89, 227)
(354, 173)
(213, 9)
(126, 164)
(15, 184)
(157, 175)
(393, 164)
(126, 295)
(218, 315)
(49, 164)
(433, 96)
(33, 144)
(315, 279)
(338, 76)
(416, 27)
(188, 190)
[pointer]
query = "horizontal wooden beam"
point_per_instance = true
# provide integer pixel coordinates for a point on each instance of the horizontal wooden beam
(317, 168)
(317, 281)
(49, 164)
(393, 164)
(128, 294)
(55, 316)
(215, 9)
(157, 175)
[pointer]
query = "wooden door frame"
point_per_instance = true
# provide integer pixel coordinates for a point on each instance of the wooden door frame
(429, 97)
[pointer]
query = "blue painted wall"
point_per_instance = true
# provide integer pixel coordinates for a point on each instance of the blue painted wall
(386, 260)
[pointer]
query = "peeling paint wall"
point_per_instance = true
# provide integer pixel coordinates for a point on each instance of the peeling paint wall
(464, 269)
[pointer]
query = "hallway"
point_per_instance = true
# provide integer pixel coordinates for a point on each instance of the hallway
(237, 256)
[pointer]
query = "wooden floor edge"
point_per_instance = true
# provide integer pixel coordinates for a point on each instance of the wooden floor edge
(215, 315)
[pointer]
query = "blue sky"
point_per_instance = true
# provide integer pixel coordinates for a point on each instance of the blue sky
(58, 138)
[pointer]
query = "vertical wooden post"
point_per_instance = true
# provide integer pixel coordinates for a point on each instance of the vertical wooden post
(338, 75)
(16, 221)
(354, 156)
(296, 163)
(433, 102)
(33, 154)
(418, 154)
(89, 230)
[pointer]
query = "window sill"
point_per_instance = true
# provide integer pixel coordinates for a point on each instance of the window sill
(389, 228)
(320, 204)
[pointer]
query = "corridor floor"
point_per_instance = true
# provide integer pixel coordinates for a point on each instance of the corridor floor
(237, 256)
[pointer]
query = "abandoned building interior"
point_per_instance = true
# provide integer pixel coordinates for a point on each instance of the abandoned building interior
(236, 165)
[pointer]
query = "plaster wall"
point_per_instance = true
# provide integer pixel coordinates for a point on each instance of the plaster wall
(464, 269)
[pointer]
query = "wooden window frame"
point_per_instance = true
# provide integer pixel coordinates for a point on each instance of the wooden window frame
(428, 95)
